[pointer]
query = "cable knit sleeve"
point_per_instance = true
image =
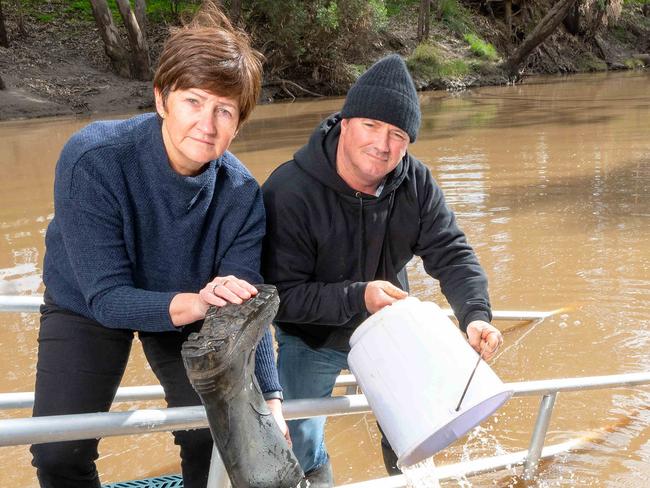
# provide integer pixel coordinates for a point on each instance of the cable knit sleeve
(90, 223)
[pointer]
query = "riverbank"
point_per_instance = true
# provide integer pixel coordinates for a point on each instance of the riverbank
(56, 64)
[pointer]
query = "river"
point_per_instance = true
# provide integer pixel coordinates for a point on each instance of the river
(550, 180)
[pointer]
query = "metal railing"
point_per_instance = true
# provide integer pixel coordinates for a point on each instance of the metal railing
(30, 303)
(19, 431)
(83, 426)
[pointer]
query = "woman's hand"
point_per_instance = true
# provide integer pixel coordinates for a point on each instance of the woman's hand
(275, 405)
(186, 308)
(227, 289)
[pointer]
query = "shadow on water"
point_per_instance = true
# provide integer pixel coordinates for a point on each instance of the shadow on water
(523, 114)
(621, 193)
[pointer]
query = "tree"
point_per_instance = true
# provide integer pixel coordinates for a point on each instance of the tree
(4, 40)
(424, 20)
(112, 45)
(539, 34)
(572, 20)
(508, 18)
(141, 14)
(235, 11)
(140, 63)
(134, 64)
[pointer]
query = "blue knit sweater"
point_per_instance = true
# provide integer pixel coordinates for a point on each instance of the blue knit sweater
(129, 233)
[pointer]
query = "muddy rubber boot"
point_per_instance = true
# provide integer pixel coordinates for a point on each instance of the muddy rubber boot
(321, 477)
(220, 363)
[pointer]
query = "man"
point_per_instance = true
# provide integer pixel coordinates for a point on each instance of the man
(344, 217)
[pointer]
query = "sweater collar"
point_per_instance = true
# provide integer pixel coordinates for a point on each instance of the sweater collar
(186, 191)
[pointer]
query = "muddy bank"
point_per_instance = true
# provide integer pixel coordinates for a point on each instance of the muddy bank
(58, 66)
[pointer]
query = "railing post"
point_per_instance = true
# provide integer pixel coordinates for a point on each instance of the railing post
(539, 433)
(218, 477)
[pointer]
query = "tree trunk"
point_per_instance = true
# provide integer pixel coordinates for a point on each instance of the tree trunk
(424, 20)
(140, 63)
(596, 23)
(4, 40)
(2, 84)
(112, 45)
(21, 18)
(235, 11)
(508, 15)
(539, 34)
(572, 20)
(141, 14)
(427, 19)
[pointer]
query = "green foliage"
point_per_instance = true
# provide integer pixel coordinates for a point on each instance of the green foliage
(327, 16)
(357, 70)
(481, 48)
(379, 13)
(318, 40)
(44, 17)
(589, 62)
(633, 63)
(394, 7)
(424, 61)
(81, 8)
(157, 10)
(455, 68)
(454, 16)
(622, 34)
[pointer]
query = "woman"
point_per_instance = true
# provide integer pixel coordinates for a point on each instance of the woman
(155, 221)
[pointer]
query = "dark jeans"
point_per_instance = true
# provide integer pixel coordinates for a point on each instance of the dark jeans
(80, 365)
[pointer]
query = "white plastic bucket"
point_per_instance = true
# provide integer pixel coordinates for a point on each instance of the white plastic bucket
(413, 363)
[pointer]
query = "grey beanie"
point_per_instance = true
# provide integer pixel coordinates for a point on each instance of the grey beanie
(386, 92)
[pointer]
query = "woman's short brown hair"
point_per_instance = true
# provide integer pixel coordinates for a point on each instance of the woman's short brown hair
(210, 54)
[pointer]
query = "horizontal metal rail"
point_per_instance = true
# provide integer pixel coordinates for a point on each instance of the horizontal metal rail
(84, 426)
(25, 399)
(525, 388)
(514, 315)
(470, 468)
(31, 303)
(94, 425)
(20, 303)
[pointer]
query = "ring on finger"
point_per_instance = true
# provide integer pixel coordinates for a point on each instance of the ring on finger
(218, 284)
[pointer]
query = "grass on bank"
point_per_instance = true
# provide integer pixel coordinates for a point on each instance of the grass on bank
(633, 63)
(157, 10)
(426, 62)
(454, 16)
(481, 48)
(588, 62)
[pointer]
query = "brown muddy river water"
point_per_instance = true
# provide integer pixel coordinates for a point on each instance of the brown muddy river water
(551, 182)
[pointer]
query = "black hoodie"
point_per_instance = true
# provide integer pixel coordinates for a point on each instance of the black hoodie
(326, 241)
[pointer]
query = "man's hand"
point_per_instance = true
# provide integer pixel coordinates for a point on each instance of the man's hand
(484, 338)
(381, 293)
(275, 406)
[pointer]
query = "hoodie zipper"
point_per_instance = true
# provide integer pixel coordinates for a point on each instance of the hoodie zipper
(362, 255)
